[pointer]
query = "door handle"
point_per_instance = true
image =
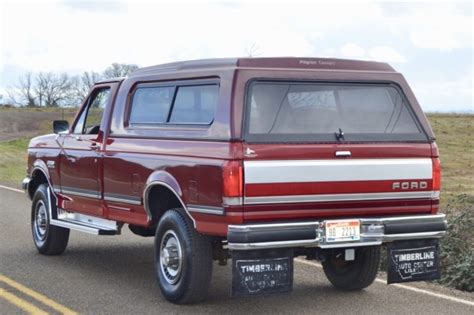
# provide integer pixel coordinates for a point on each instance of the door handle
(94, 146)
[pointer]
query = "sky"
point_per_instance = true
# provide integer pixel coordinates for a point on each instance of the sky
(430, 43)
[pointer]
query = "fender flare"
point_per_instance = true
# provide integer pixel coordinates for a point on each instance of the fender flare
(40, 166)
(164, 179)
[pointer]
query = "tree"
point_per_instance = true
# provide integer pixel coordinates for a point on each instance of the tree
(117, 70)
(54, 89)
(83, 84)
(26, 90)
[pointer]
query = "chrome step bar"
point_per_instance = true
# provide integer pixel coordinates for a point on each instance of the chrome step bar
(81, 222)
(77, 226)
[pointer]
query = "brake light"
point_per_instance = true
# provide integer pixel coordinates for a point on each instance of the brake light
(232, 179)
(436, 174)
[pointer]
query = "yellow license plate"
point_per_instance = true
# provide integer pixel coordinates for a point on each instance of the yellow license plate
(342, 230)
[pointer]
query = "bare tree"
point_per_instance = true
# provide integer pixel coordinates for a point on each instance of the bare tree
(117, 70)
(43, 83)
(25, 89)
(54, 89)
(83, 84)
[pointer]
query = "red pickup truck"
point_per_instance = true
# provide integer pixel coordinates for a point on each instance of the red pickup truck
(257, 160)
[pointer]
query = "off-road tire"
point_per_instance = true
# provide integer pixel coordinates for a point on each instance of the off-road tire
(352, 275)
(48, 239)
(196, 270)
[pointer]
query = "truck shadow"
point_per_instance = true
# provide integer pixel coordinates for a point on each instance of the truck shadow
(131, 267)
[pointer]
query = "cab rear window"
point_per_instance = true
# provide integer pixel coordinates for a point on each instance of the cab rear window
(302, 112)
(188, 104)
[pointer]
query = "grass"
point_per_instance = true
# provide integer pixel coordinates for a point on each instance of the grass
(455, 139)
(13, 160)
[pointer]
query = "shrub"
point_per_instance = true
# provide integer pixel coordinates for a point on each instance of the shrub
(457, 247)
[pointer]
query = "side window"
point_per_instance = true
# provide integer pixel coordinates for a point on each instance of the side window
(91, 116)
(151, 105)
(195, 104)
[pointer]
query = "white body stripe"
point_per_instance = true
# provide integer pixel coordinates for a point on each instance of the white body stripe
(342, 197)
(300, 171)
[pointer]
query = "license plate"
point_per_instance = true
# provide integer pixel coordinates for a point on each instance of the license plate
(416, 260)
(342, 230)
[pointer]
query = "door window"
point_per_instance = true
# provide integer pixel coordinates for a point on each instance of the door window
(91, 116)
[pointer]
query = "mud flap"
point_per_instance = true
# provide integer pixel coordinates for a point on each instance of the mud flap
(416, 260)
(259, 272)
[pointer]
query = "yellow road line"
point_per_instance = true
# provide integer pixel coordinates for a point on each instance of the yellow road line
(37, 296)
(24, 305)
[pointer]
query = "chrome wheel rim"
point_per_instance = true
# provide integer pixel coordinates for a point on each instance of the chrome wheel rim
(171, 257)
(40, 221)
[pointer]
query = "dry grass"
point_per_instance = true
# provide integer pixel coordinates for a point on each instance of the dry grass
(17, 126)
(455, 139)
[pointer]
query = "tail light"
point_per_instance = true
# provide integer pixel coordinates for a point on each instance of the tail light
(436, 174)
(232, 179)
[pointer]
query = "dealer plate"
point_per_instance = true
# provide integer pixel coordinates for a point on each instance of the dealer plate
(342, 230)
(262, 272)
(415, 260)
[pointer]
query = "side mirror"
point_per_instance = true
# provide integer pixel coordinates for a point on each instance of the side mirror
(60, 126)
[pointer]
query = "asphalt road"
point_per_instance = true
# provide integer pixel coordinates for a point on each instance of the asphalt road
(114, 275)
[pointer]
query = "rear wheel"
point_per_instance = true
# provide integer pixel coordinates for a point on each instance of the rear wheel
(183, 259)
(352, 275)
(48, 239)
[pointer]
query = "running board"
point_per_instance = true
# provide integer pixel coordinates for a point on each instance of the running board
(77, 226)
(81, 222)
(85, 223)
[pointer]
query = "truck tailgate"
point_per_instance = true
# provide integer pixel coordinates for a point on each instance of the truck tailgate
(368, 179)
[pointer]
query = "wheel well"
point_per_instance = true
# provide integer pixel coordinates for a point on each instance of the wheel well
(161, 199)
(37, 179)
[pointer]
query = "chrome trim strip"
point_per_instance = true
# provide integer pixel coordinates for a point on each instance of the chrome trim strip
(273, 226)
(405, 236)
(340, 197)
(206, 209)
(133, 201)
(301, 171)
(406, 219)
(81, 193)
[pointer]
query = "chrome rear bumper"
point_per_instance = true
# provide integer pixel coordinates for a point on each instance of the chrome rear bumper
(373, 231)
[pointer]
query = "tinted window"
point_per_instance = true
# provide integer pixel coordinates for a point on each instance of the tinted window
(314, 112)
(195, 104)
(151, 105)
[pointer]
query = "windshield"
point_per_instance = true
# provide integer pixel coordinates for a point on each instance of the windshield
(302, 112)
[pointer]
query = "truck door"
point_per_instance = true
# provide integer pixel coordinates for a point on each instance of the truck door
(80, 160)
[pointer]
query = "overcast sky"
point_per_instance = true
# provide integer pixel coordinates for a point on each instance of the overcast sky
(430, 43)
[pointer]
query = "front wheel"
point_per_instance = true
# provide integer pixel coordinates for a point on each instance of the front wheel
(183, 259)
(48, 239)
(352, 275)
